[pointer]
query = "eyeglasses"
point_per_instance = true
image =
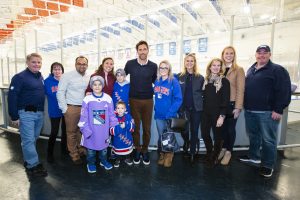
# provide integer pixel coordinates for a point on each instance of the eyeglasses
(164, 68)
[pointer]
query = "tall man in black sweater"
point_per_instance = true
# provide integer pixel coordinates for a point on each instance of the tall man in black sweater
(142, 74)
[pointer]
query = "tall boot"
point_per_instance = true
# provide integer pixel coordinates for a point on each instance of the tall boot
(168, 159)
(161, 159)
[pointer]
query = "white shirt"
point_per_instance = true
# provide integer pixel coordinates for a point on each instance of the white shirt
(71, 89)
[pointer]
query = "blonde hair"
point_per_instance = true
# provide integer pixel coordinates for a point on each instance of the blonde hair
(170, 74)
(234, 64)
(195, 67)
(208, 72)
(28, 57)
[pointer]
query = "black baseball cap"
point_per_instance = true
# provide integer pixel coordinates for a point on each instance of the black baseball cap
(263, 47)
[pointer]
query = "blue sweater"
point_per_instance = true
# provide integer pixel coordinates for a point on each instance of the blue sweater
(121, 93)
(26, 89)
(168, 98)
(51, 85)
(267, 89)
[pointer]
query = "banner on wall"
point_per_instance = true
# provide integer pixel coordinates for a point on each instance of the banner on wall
(120, 54)
(202, 44)
(172, 48)
(187, 46)
(159, 49)
(128, 53)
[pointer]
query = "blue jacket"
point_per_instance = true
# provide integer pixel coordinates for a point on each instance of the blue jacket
(26, 89)
(267, 89)
(123, 141)
(51, 85)
(121, 93)
(168, 98)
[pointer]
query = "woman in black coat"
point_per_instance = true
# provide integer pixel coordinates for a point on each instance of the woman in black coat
(216, 94)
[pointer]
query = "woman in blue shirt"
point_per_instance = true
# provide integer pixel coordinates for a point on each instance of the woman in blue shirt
(55, 114)
(168, 99)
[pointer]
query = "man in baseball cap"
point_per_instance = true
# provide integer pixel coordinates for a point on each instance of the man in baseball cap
(266, 48)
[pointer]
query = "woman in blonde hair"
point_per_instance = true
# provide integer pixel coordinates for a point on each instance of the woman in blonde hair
(191, 83)
(168, 99)
(236, 76)
(216, 92)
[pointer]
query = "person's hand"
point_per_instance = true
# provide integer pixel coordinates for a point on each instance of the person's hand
(236, 112)
(220, 121)
(15, 123)
(122, 125)
(276, 116)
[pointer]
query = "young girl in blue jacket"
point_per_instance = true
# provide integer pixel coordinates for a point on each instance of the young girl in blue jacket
(168, 99)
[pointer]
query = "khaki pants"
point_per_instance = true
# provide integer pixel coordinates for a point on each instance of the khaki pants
(141, 109)
(72, 117)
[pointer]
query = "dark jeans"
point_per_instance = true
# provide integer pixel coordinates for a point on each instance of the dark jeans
(55, 122)
(229, 133)
(192, 129)
(91, 156)
(141, 110)
(209, 121)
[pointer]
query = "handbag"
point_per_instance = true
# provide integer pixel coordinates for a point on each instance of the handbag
(178, 124)
(169, 142)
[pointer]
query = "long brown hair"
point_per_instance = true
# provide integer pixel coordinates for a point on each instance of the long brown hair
(100, 68)
(195, 67)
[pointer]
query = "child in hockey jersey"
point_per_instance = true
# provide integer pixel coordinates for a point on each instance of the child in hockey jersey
(121, 89)
(97, 117)
(122, 138)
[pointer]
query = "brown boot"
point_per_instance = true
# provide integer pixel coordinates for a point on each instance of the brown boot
(161, 159)
(168, 159)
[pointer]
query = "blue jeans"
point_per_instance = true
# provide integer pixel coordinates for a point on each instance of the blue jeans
(31, 124)
(91, 156)
(262, 131)
(161, 125)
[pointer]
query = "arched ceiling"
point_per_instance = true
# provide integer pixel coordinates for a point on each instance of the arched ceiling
(123, 21)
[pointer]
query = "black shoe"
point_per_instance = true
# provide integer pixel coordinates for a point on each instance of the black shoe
(50, 158)
(146, 160)
(117, 163)
(78, 161)
(266, 172)
(137, 157)
(37, 170)
(246, 159)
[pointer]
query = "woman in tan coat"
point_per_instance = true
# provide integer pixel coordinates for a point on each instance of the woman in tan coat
(236, 76)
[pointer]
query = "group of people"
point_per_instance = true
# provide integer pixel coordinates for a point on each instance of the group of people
(105, 110)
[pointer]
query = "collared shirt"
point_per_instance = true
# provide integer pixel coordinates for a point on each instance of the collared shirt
(71, 89)
(138, 60)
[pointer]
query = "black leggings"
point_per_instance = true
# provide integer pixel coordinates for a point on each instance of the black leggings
(209, 121)
(54, 131)
(229, 133)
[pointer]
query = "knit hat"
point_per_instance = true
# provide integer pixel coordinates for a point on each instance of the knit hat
(120, 71)
(96, 78)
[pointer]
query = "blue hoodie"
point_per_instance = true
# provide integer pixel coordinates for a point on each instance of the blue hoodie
(168, 98)
(51, 85)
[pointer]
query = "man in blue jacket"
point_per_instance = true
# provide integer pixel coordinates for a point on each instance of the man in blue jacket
(26, 98)
(267, 93)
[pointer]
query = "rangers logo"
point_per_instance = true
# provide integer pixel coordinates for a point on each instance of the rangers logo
(98, 117)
